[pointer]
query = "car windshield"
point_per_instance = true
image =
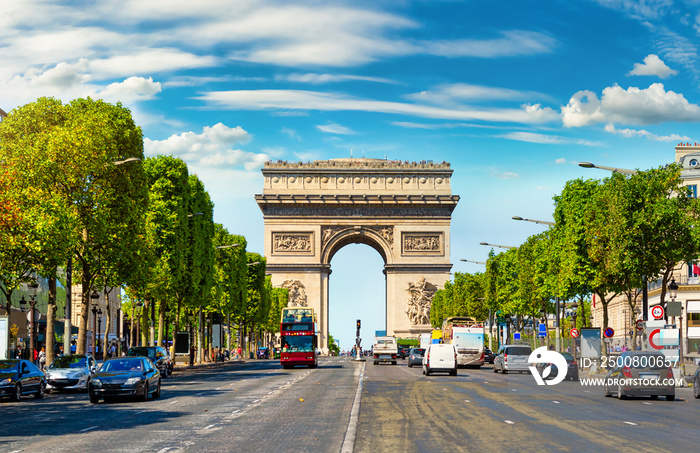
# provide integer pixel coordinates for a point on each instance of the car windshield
(69, 362)
(122, 365)
(297, 344)
(519, 350)
(568, 357)
(142, 352)
(8, 366)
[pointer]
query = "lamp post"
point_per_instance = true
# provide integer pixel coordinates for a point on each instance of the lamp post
(574, 309)
(33, 285)
(624, 171)
(99, 327)
(496, 245)
(470, 261)
(673, 293)
(543, 222)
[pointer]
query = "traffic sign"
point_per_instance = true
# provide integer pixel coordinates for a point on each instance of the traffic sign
(543, 330)
(640, 324)
(609, 332)
(516, 336)
(574, 333)
(657, 311)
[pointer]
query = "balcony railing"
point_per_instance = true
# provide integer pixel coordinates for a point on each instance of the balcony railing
(680, 280)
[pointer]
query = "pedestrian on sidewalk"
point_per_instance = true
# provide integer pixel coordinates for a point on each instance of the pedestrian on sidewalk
(42, 358)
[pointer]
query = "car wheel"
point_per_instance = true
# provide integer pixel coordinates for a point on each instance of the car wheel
(504, 371)
(620, 394)
(40, 393)
(18, 393)
(654, 397)
(495, 370)
(453, 372)
(427, 371)
(696, 388)
(409, 365)
(145, 393)
(606, 391)
(94, 399)
(156, 394)
(670, 397)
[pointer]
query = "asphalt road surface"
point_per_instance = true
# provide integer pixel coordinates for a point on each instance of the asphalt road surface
(259, 407)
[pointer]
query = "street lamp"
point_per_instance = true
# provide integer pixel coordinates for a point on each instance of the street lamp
(624, 171)
(496, 245)
(226, 246)
(544, 222)
(94, 296)
(470, 261)
(673, 293)
(99, 327)
(32, 315)
(194, 214)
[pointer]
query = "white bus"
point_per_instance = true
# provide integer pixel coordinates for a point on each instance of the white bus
(467, 335)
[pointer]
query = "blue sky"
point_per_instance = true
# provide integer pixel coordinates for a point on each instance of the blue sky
(513, 94)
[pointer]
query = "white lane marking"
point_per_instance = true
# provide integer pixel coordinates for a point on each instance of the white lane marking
(173, 402)
(165, 449)
(556, 402)
(649, 404)
(515, 390)
(256, 401)
(210, 426)
(467, 401)
(218, 388)
(270, 393)
(198, 394)
(630, 423)
(236, 411)
(87, 429)
(141, 412)
(509, 422)
(586, 391)
(16, 451)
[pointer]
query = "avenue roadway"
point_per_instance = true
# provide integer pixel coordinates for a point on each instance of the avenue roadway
(259, 407)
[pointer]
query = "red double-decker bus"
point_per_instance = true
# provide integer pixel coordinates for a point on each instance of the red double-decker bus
(298, 332)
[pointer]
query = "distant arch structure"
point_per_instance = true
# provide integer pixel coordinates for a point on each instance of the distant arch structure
(403, 210)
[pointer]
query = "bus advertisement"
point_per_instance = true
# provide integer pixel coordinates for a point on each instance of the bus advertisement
(467, 335)
(298, 333)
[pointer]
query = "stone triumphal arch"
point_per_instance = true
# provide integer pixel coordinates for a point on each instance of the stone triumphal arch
(402, 210)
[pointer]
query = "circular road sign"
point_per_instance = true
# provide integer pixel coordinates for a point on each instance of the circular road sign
(657, 311)
(640, 324)
(574, 333)
(609, 332)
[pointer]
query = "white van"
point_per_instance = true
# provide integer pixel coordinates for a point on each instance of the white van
(440, 357)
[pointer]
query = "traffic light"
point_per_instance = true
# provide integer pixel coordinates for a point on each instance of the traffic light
(358, 323)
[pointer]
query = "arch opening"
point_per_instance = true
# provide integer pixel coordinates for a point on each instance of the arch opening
(357, 290)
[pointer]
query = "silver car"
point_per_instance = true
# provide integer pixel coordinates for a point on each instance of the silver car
(70, 372)
(512, 358)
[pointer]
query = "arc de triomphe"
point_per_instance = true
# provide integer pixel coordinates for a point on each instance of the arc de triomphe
(402, 210)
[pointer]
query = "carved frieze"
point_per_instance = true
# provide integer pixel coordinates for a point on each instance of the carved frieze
(297, 293)
(292, 243)
(422, 243)
(357, 211)
(420, 297)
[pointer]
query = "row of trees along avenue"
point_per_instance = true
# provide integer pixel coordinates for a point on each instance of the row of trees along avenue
(611, 237)
(75, 187)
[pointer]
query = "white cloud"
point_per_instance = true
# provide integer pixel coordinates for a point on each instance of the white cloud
(314, 100)
(318, 79)
(291, 133)
(560, 161)
(333, 128)
(641, 9)
(643, 133)
(504, 175)
(453, 94)
(131, 89)
(211, 148)
(533, 137)
(511, 43)
(411, 125)
(631, 106)
(652, 66)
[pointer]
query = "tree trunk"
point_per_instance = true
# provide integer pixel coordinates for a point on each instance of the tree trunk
(210, 327)
(175, 330)
(84, 311)
(144, 322)
(161, 323)
(51, 322)
(108, 323)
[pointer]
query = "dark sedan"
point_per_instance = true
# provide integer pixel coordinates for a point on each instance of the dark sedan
(19, 378)
(158, 355)
(125, 377)
(489, 356)
(415, 357)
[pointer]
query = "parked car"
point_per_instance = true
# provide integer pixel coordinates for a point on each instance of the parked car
(158, 355)
(403, 352)
(125, 377)
(696, 384)
(19, 378)
(488, 356)
(641, 373)
(415, 357)
(70, 372)
(440, 357)
(512, 358)
(571, 368)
